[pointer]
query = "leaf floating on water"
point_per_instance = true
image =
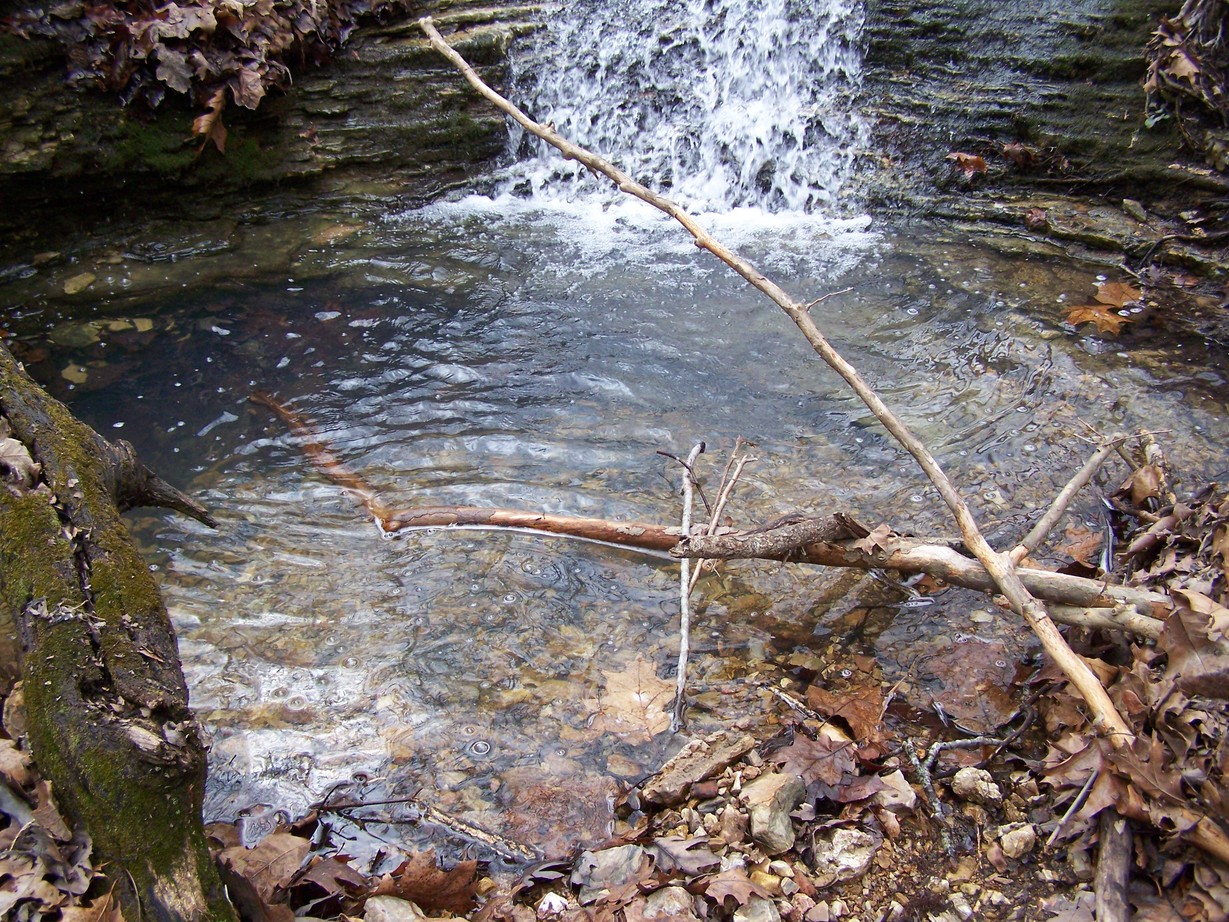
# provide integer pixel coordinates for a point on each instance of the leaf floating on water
(1116, 294)
(79, 283)
(1107, 319)
(1106, 309)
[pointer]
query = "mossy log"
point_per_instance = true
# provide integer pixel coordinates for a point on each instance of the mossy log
(107, 706)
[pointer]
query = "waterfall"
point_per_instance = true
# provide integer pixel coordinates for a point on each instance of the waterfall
(720, 104)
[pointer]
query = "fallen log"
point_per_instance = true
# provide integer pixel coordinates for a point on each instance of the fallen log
(830, 541)
(106, 703)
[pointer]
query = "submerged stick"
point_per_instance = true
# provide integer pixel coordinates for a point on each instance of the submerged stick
(1058, 508)
(1000, 566)
(676, 720)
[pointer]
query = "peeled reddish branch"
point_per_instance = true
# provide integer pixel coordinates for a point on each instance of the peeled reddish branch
(824, 542)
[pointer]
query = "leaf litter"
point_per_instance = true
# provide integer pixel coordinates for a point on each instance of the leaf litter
(865, 831)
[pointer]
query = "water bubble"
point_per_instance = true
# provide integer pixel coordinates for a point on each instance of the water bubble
(479, 748)
(846, 673)
(913, 311)
(1001, 663)
(509, 597)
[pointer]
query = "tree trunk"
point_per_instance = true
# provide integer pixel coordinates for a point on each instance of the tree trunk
(107, 706)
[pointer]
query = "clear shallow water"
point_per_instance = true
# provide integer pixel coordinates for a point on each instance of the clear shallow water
(528, 358)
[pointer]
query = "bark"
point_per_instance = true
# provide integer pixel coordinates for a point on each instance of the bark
(107, 706)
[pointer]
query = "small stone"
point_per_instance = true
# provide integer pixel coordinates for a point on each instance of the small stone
(977, 785)
(732, 825)
(770, 799)
(788, 887)
(391, 909)
(1017, 839)
(1134, 209)
(781, 868)
(799, 905)
(552, 906)
(819, 913)
(79, 283)
(844, 856)
(770, 882)
(961, 906)
(758, 909)
(669, 903)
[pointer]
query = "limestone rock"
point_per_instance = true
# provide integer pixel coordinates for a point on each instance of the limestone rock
(770, 799)
(977, 785)
(670, 903)
(843, 856)
(1017, 839)
(758, 909)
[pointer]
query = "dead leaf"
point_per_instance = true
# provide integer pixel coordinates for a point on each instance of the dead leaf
(330, 886)
(860, 707)
(1107, 319)
(969, 164)
(1197, 664)
(1083, 545)
(104, 909)
(735, 883)
(209, 126)
(421, 881)
(609, 874)
(14, 766)
(689, 856)
(635, 702)
(1144, 484)
(1116, 294)
(875, 540)
(269, 866)
(1182, 66)
(828, 759)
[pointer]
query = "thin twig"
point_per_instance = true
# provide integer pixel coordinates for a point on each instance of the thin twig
(832, 294)
(728, 480)
(676, 720)
(932, 799)
(1075, 805)
(1058, 508)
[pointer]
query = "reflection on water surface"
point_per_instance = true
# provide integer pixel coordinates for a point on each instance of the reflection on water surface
(470, 355)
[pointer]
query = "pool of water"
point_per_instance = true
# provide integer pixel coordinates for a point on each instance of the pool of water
(493, 354)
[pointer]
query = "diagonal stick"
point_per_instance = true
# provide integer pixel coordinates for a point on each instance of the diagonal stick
(1000, 566)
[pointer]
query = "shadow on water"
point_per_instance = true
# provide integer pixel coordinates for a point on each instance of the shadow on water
(488, 355)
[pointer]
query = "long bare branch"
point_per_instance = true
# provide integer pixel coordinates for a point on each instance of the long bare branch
(820, 541)
(1000, 566)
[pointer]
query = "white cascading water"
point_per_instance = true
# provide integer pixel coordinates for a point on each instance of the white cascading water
(720, 104)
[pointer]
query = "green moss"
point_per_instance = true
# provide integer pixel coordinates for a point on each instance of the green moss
(159, 146)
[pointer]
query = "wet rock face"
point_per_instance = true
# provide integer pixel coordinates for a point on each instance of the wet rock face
(941, 76)
(956, 75)
(386, 108)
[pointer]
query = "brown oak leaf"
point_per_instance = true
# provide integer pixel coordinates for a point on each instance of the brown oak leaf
(421, 881)
(733, 883)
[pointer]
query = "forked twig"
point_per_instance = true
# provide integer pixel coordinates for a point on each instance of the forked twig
(680, 692)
